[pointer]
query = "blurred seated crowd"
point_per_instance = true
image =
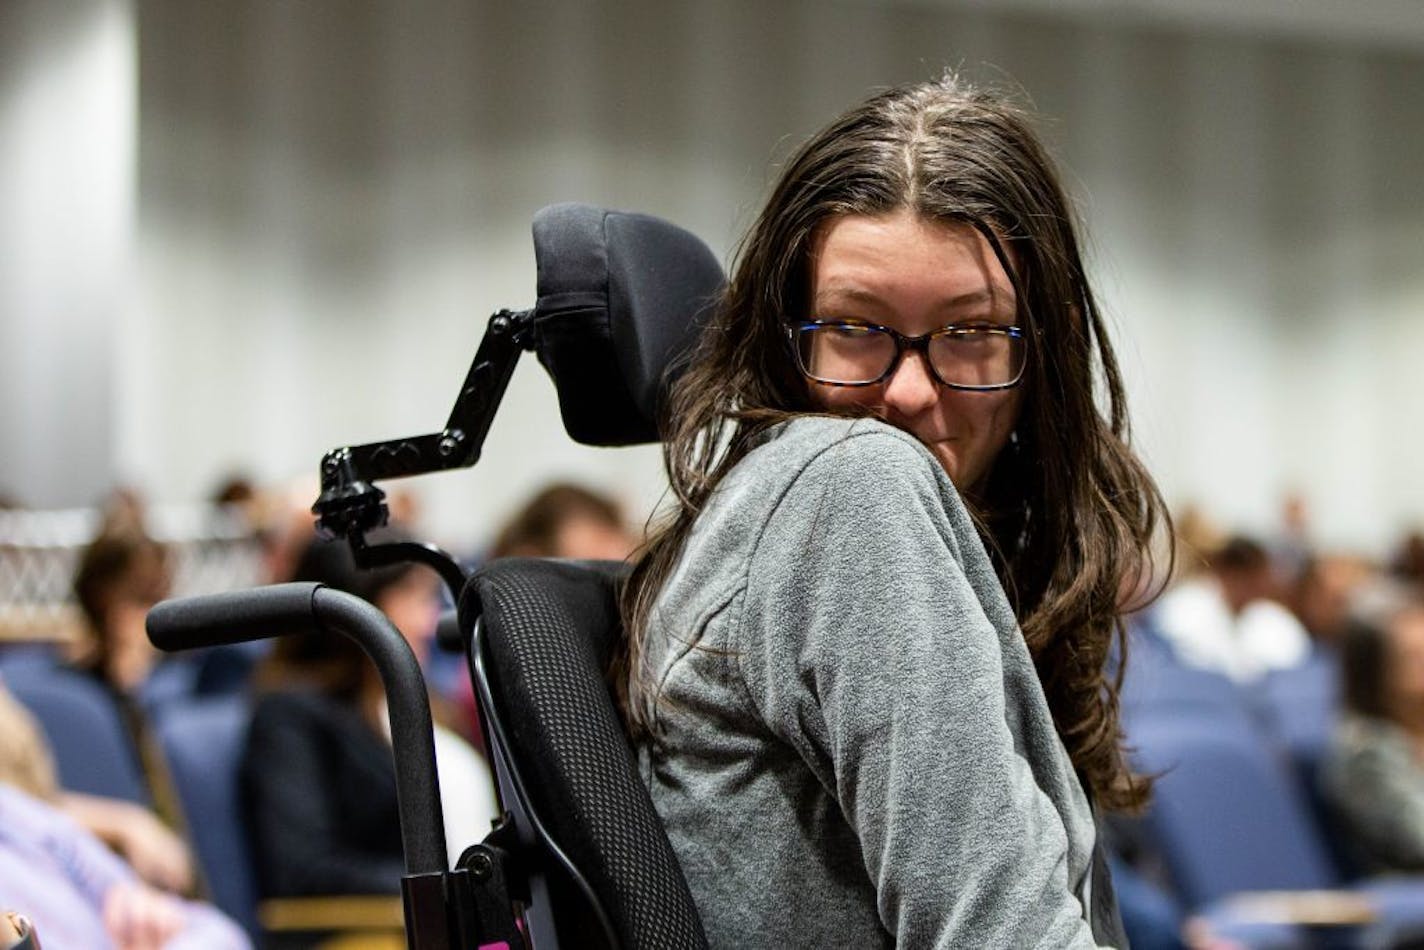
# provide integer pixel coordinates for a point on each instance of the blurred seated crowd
(1276, 691)
(156, 801)
(172, 801)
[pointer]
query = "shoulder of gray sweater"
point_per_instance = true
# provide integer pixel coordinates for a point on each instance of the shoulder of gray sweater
(868, 456)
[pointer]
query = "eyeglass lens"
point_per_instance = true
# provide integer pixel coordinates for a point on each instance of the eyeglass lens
(848, 354)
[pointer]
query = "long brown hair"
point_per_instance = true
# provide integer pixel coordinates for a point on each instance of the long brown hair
(1068, 514)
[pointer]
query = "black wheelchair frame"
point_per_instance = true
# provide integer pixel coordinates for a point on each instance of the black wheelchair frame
(621, 300)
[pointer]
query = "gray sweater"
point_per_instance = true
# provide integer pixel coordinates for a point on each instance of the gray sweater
(1373, 779)
(853, 748)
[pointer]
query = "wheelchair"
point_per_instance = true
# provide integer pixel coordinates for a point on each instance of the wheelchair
(578, 857)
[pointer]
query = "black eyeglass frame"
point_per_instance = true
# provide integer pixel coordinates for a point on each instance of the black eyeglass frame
(919, 344)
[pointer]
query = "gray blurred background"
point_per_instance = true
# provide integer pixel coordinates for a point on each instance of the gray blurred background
(236, 234)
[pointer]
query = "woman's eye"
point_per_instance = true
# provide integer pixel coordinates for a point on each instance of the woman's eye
(850, 331)
(980, 323)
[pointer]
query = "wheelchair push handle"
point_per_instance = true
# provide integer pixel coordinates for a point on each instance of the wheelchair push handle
(233, 617)
(281, 609)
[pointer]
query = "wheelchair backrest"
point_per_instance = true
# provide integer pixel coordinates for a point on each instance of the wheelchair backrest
(545, 633)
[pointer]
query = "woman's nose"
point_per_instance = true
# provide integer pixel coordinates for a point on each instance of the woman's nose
(911, 388)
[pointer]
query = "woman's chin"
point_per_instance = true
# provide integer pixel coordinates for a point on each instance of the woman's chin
(947, 461)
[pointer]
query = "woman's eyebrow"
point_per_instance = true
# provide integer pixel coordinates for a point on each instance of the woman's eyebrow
(863, 296)
(848, 295)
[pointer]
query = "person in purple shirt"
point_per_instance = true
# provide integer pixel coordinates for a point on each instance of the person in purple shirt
(77, 893)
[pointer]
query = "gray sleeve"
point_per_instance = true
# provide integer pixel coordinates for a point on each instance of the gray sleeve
(1378, 793)
(863, 646)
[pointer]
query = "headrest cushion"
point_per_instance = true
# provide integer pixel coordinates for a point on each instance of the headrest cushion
(622, 300)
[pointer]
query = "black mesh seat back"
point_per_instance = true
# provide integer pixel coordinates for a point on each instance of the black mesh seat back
(622, 300)
(549, 627)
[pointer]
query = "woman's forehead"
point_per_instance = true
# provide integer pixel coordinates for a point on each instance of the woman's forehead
(867, 258)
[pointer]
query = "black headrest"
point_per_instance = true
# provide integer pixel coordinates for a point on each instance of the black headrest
(622, 299)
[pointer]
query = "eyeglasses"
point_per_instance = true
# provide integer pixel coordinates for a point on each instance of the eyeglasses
(978, 357)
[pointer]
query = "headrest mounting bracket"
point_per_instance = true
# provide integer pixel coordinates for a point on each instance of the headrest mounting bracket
(350, 504)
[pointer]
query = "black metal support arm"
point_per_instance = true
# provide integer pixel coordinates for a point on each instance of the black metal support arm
(350, 503)
(405, 552)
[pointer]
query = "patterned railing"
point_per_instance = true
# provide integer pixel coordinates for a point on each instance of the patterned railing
(212, 549)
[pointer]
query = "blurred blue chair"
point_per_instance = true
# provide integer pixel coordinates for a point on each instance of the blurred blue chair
(1300, 707)
(202, 741)
(1300, 704)
(1227, 812)
(202, 674)
(1157, 684)
(227, 670)
(1230, 819)
(16, 658)
(170, 681)
(93, 752)
(1150, 917)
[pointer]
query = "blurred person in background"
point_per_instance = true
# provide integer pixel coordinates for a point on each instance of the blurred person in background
(1290, 546)
(1196, 536)
(76, 893)
(57, 870)
(238, 499)
(285, 526)
(563, 520)
(317, 777)
(122, 573)
(16, 932)
(124, 510)
(1373, 777)
(235, 490)
(1230, 619)
(1321, 596)
(155, 853)
(566, 520)
(1408, 564)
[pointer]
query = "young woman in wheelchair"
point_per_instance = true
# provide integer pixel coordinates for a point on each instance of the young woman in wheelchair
(865, 661)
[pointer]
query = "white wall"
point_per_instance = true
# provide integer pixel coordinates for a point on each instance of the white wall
(68, 99)
(332, 197)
